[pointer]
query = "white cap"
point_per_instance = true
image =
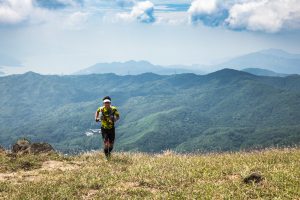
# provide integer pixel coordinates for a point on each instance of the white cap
(106, 100)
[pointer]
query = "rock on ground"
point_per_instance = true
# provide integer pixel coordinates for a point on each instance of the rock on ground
(40, 148)
(23, 146)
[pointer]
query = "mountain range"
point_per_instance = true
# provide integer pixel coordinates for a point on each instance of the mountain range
(135, 67)
(226, 110)
(270, 62)
(271, 59)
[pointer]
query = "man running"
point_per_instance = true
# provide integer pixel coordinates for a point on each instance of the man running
(108, 116)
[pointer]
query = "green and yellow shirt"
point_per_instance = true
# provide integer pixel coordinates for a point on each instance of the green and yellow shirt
(107, 116)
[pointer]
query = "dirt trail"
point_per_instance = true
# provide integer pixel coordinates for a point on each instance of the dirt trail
(36, 175)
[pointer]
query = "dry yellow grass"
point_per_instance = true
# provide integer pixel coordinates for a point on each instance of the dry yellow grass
(158, 176)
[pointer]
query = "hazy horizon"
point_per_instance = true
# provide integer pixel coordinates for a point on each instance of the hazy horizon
(65, 36)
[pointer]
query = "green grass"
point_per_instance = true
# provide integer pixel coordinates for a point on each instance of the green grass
(153, 176)
(26, 162)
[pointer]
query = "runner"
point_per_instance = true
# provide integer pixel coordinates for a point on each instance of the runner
(108, 116)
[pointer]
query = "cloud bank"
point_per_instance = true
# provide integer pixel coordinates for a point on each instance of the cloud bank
(254, 15)
(269, 16)
(17, 11)
(142, 12)
(14, 11)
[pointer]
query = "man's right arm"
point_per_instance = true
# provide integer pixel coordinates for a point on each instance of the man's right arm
(97, 116)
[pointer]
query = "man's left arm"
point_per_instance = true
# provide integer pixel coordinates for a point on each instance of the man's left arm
(117, 115)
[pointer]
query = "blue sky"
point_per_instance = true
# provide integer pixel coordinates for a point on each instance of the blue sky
(64, 36)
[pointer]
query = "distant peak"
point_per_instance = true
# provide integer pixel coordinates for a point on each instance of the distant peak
(149, 74)
(228, 71)
(31, 73)
(137, 62)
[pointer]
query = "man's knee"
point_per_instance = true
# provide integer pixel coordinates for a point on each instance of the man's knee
(108, 144)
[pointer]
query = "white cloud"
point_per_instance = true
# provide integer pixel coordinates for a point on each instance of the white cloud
(254, 15)
(203, 7)
(35, 11)
(141, 11)
(210, 12)
(265, 15)
(14, 11)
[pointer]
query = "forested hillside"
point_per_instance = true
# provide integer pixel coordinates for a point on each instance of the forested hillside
(224, 110)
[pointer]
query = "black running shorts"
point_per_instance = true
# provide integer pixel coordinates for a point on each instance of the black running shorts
(108, 135)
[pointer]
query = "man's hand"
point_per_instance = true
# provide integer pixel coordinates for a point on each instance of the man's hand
(97, 119)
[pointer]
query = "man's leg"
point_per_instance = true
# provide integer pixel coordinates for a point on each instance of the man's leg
(106, 148)
(105, 137)
(111, 139)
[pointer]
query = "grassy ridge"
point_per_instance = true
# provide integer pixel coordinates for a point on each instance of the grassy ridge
(156, 176)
